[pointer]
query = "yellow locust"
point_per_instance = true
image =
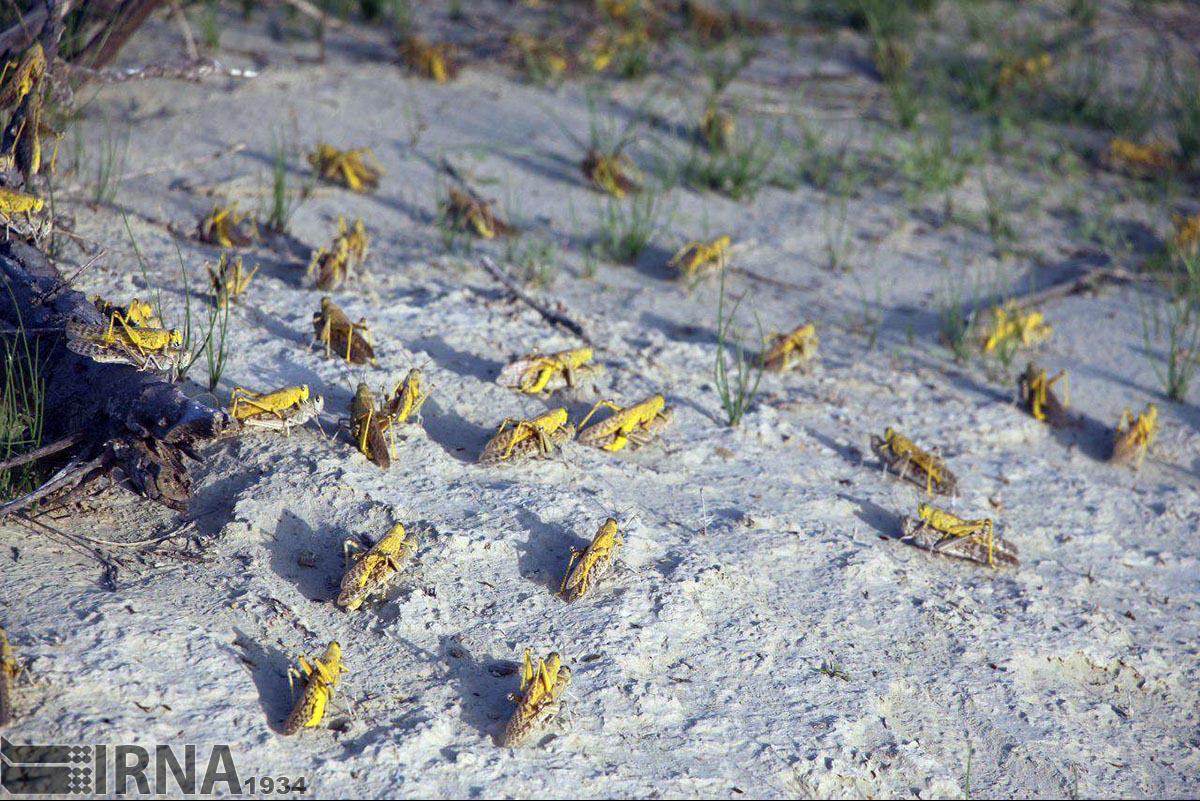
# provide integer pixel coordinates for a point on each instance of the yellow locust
(592, 563)
(637, 424)
(374, 567)
(320, 681)
(542, 687)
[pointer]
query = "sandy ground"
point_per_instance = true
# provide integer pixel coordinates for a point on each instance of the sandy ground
(754, 556)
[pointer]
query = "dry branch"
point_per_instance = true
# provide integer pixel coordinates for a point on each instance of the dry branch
(114, 417)
(548, 314)
(193, 70)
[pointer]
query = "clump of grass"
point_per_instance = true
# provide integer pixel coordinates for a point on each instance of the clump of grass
(722, 65)
(827, 167)
(109, 165)
(737, 389)
(543, 61)
(1082, 96)
(607, 135)
(624, 46)
(891, 24)
(870, 315)
(1083, 12)
(932, 162)
(453, 235)
(838, 233)
(216, 351)
(1187, 116)
(834, 670)
(210, 26)
(22, 412)
(737, 171)
(627, 227)
(283, 202)
(1179, 320)
(999, 202)
(209, 340)
(954, 322)
(536, 261)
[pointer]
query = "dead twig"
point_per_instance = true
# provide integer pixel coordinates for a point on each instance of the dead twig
(39, 453)
(21, 35)
(1087, 282)
(77, 543)
(549, 315)
(185, 30)
(196, 69)
(74, 473)
(309, 10)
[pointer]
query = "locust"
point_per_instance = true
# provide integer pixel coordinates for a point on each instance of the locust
(226, 228)
(432, 61)
(24, 215)
(121, 342)
(350, 341)
(1134, 436)
(22, 146)
(367, 425)
(718, 129)
(537, 372)
(900, 455)
(798, 347)
(320, 681)
(230, 279)
(357, 170)
(942, 532)
(370, 419)
(1032, 69)
(281, 410)
(542, 688)
(697, 258)
(405, 401)
(9, 670)
(1038, 398)
(1139, 158)
(592, 563)
(331, 267)
(523, 439)
(711, 24)
(636, 424)
(373, 568)
(468, 212)
(542, 59)
(20, 91)
(613, 173)
(20, 78)
(1011, 328)
(1187, 234)
(137, 313)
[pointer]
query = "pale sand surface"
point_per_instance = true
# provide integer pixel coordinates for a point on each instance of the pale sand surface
(754, 556)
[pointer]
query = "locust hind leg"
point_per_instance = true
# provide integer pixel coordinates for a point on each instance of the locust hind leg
(605, 404)
(542, 371)
(519, 426)
(364, 433)
(575, 554)
(351, 550)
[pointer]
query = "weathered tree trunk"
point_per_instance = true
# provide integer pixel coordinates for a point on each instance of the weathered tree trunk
(113, 416)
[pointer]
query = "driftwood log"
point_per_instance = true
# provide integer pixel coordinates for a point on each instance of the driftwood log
(99, 419)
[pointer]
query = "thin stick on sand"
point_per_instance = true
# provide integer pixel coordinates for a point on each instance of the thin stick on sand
(549, 315)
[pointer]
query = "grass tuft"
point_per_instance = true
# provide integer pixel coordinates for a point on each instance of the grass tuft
(628, 227)
(738, 388)
(22, 412)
